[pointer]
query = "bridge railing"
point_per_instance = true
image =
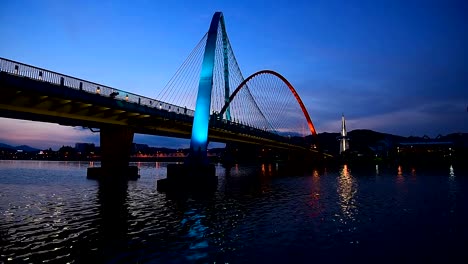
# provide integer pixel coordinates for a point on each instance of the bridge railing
(32, 72)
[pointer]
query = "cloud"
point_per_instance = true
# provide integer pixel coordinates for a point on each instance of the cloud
(429, 119)
(42, 135)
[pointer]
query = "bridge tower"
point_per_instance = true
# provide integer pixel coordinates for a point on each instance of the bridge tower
(199, 139)
(197, 173)
(344, 144)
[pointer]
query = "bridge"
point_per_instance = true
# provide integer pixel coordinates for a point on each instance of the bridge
(197, 103)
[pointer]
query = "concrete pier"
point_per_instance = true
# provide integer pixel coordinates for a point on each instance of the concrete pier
(116, 144)
(189, 178)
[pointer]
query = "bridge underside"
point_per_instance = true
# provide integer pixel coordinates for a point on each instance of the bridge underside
(29, 99)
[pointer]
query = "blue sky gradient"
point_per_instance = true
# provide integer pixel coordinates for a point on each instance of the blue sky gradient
(393, 66)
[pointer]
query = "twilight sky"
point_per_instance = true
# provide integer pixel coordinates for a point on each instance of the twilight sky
(398, 67)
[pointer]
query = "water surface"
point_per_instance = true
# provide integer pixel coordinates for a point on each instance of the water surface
(50, 212)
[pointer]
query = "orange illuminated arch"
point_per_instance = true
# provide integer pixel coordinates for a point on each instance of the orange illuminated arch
(293, 91)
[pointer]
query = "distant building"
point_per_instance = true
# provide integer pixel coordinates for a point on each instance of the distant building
(382, 148)
(84, 148)
(343, 138)
(140, 148)
(426, 147)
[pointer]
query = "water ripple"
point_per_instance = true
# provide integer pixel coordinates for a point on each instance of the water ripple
(49, 212)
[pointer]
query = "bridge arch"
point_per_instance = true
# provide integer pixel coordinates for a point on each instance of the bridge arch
(291, 88)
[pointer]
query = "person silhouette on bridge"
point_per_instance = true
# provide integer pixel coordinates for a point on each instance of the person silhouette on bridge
(114, 94)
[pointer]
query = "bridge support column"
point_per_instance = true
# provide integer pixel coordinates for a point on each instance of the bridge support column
(189, 177)
(116, 145)
(195, 175)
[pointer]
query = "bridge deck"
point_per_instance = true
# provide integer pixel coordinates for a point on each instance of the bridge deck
(40, 95)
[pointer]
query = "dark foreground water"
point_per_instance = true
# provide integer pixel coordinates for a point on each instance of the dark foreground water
(50, 212)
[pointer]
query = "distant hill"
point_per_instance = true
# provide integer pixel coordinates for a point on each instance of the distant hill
(370, 137)
(5, 146)
(360, 139)
(22, 147)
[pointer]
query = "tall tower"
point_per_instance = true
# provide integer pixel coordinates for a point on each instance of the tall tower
(344, 144)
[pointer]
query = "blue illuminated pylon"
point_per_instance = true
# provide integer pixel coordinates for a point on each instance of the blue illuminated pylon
(199, 140)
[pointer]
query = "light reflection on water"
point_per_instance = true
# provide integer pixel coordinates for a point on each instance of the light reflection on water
(347, 188)
(400, 178)
(315, 199)
(49, 211)
(451, 173)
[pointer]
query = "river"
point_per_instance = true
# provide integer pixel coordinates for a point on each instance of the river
(50, 212)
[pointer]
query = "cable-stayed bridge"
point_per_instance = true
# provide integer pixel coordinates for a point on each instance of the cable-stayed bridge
(208, 98)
